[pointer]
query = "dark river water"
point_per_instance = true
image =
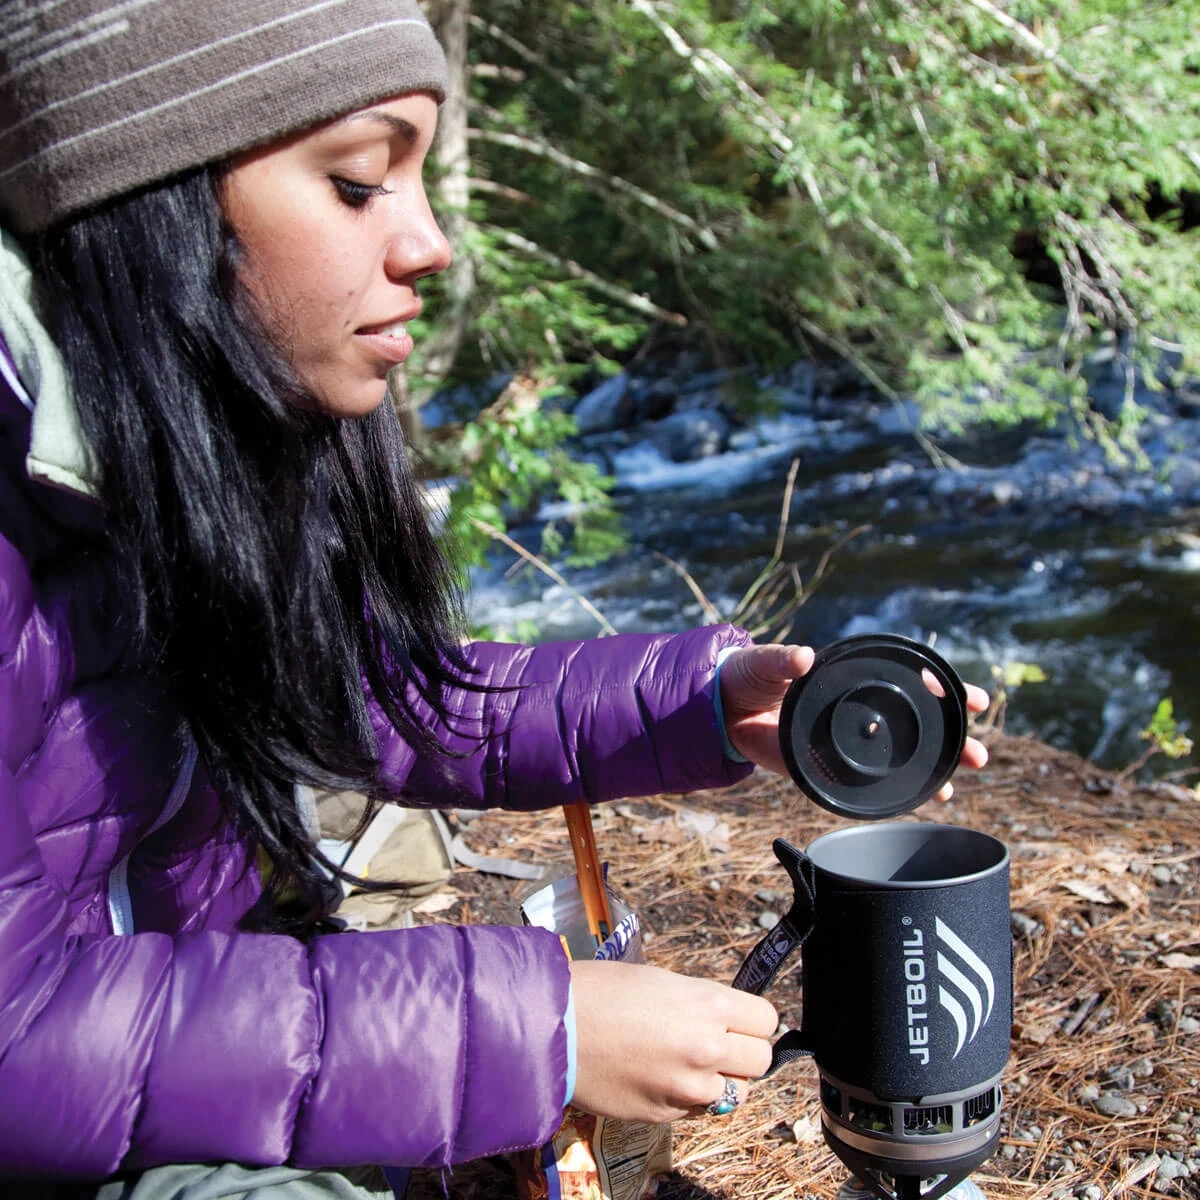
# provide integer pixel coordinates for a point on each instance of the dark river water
(1107, 607)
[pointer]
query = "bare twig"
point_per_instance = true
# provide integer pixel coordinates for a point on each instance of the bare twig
(785, 509)
(606, 628)
(935, 453)
(712, 615)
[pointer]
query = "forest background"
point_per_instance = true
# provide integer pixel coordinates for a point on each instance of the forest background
(970, 202)
(964, 199)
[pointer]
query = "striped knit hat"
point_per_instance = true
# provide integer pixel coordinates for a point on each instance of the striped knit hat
(99, 97)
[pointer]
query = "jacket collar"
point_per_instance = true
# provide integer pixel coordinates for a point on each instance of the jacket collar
(58, 454)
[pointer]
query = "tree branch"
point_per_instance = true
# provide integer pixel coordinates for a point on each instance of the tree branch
(720, 75)
(606, 628)
(622, 295)
(523, 51)
(1025, 36)
(843, 348)
(713, 70)
(594, 175)
(495, 71)
(477, 184)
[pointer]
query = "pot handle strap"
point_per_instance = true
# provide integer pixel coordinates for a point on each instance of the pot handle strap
(763, 963)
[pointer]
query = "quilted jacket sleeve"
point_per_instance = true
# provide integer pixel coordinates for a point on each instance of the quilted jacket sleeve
(594, 720)
(395, 1047)
(400, 1047)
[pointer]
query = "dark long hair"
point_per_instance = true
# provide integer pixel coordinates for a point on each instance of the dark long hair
(277, 559)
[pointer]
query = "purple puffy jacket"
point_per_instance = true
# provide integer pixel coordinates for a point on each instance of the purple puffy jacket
(188, 1041)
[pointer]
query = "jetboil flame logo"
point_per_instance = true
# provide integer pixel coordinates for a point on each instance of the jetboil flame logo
(962, 979)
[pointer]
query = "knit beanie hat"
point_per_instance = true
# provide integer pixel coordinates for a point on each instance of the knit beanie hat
(99, 97)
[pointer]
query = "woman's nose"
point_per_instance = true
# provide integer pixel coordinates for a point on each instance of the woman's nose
(418, 246)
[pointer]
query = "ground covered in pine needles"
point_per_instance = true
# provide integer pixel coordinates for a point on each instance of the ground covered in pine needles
(1102, 1092)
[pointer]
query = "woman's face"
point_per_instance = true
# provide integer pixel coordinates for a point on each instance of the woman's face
(337, 230)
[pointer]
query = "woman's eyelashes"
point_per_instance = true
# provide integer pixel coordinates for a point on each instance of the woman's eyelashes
(357, 195)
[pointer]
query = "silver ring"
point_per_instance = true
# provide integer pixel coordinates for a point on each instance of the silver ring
(727, 1103)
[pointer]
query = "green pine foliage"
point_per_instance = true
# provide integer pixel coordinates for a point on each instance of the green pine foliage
(967, 199)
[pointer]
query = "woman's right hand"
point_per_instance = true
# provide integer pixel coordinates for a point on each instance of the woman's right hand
(654, 1046)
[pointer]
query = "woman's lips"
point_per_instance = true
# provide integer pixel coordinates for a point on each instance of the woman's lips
(390, 343)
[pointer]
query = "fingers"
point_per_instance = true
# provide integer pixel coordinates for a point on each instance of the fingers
(974, 753)
(652, 1045)
(746, 1057)
(728, 1088)
(795, 661)
(754, 1016)
(772, 663)
(744, 1051)
(977, 699)
(790, 662)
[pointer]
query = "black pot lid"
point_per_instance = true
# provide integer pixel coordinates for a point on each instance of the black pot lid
(861, 733)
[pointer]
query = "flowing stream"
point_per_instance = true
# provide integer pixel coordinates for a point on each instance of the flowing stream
(1105, 602)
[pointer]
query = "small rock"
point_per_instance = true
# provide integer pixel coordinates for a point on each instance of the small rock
(1089, 1093)
(1170, 1169)
(1161, 874)
(768, 919)
(1120, 1077)
(1091, 1192)
(1112, 1105)
(806, 1129)
(1025, 925)
(1189, 1025)
(610, 406)
(766, 896)
(1142, 1067)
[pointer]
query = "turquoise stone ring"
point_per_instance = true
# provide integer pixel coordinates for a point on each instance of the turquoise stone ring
(727, 1103)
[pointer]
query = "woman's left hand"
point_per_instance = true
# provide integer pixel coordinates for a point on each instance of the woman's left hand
(754, 681)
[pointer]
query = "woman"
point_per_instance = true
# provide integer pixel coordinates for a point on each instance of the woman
(217, 583)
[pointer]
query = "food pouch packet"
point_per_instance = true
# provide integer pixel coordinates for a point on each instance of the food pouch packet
(590, 1157)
